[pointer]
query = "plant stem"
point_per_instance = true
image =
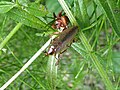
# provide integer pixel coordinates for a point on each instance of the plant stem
(9, 36)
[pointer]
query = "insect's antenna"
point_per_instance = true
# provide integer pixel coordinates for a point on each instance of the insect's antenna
(50, 23)
(60, 13)
(54, 15)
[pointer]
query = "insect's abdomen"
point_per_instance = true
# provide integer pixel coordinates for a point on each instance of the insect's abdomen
(64, 40)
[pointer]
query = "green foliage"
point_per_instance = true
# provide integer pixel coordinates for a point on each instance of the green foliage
(92, 61)
(109, 7)
(6, 6)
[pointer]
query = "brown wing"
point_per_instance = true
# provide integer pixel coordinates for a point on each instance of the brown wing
(64, 39)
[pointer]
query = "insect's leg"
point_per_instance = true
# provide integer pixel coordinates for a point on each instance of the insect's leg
(74, 40)
(57, 56)
(57, 62)
(68, 45)
(56, 33)
(45, 52)
(63, 51)
(54, 15)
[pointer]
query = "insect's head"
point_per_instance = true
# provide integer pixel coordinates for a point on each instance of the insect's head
(61, 22)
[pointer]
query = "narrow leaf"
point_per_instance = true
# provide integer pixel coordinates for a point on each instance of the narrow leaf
(110, 15)
(24, 17)
(79, 48)
(84, 14)
(36, 9)
(6, 6)
(6, 3)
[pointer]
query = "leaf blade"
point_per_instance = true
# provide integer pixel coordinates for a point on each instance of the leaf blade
(24, 17)
(110, 15)
(6, 6)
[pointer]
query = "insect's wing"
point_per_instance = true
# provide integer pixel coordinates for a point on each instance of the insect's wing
(65, 39)
(68, 34)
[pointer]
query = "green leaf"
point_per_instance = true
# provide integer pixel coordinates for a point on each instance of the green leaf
(116, 62)
(52, 72)
(6, 6)
(84, 14)
(24, 17)
(50, 3)
(79, 48)
(6, 3)
(114, 19)
(37, 10)
(77, 13)
(23, 2)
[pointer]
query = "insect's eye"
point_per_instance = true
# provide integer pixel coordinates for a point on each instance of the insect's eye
(56, 23)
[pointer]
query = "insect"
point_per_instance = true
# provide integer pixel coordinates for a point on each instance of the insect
(61, 22)
(62, 42)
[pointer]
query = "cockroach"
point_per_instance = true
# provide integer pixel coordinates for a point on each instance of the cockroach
(61, 22)
(62, 41)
